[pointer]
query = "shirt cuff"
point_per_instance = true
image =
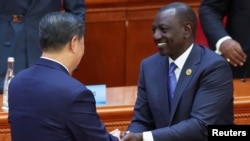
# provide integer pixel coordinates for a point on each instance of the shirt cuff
(219, 42)
(147, 136)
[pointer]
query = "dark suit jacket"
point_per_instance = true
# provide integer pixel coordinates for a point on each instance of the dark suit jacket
(47, 104)
(205, 97)
(212, 12)
(21, 40)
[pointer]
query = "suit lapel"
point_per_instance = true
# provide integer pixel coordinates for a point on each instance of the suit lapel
(189, 68)
(162, 89)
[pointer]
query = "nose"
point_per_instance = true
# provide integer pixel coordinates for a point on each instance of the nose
(157, 35)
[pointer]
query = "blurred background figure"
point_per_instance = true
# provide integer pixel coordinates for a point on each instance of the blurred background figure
(226, 26)
(19, 29)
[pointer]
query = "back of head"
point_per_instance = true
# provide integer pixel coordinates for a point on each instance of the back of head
(184, 13)
(57, 28)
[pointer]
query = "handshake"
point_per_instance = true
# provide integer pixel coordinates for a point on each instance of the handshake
(126, 135)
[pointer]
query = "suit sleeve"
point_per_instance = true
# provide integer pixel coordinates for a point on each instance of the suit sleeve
(84, 122)
(211, 15)
(142, 119)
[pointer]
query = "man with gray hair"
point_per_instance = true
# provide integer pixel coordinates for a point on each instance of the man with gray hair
(45, 102)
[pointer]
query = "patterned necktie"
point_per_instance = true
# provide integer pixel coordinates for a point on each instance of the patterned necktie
(171, 81)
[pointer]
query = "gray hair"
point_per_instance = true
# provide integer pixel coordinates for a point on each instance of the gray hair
(58, 28)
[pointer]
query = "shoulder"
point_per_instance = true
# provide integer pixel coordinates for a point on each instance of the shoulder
(208, 59)
(154, 59)
(206, 52)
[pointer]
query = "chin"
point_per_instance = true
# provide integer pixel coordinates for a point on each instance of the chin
(163, 53)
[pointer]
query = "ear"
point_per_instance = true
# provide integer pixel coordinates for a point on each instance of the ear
(74, 44)
(188, 30)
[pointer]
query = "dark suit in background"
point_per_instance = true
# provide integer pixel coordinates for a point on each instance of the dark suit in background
(212, 13)
(20, 38)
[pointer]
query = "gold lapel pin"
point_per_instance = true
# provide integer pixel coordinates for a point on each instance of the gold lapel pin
(188, 72)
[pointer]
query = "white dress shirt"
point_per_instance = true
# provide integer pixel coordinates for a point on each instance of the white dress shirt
(219, 42)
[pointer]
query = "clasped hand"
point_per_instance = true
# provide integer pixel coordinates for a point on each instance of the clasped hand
(126, 135)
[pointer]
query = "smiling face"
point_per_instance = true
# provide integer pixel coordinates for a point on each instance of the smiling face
(170, 34)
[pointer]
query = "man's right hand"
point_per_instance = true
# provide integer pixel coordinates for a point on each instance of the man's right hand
(233, 52)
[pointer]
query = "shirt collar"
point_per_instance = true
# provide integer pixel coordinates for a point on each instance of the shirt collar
(180, 61)
(55, 61)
